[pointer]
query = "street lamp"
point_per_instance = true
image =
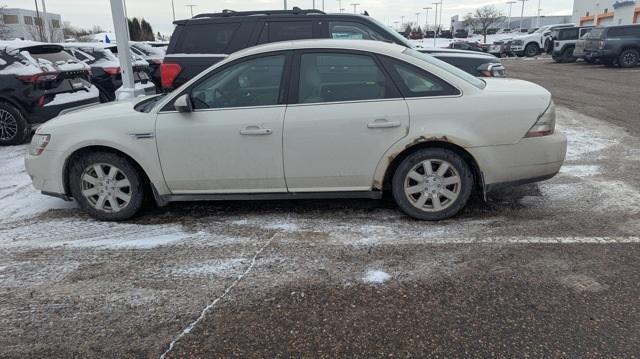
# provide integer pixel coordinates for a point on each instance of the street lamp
(539, 10)
(417, 19)
(522, 14)
(191, 8)
(510, 3)
(435, 23)
(426, 22)
(355, 8)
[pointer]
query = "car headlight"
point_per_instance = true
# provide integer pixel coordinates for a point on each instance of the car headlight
(38, 144)
(546, 124)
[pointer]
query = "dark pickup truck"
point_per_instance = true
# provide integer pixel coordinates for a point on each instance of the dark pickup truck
(614, 45)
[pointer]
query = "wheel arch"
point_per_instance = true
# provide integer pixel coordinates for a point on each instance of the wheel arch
(464, 154)
(101, 148)
(14, 103)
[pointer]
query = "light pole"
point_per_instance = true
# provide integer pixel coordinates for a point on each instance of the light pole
(510, 3)
(426, 16)
(539, 10)
(435, 23)
(402, 23)
(191, 8)
(340, 5)
(522, 14)
(417, 19)
(441, 11)
(285, 4)
(355, 8)
(173, 10)
(127, 90)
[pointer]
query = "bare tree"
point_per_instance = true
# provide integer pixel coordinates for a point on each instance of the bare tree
(483, 19)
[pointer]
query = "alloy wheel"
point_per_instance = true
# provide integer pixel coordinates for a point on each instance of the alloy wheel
(8, 126)
(106, 187)
(432, 185)
(629, 58)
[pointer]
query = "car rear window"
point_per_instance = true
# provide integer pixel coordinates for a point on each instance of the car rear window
(447, 67)
(206, 38)
(54, 57)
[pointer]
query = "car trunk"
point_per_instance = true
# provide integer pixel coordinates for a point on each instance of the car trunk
(60, 73)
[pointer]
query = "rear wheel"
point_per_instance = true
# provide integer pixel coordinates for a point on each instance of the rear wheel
(432, 184)
(107, 186)
(14, 129)
(568, 56)
(532, 50)
(629, 58)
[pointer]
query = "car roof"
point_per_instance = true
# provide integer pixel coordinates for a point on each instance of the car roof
(11, 45)
(357, 45)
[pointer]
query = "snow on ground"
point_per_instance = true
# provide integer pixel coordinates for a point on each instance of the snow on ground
(376, 277)
(18, 198)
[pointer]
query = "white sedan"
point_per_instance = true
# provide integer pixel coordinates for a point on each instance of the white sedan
(306, 119)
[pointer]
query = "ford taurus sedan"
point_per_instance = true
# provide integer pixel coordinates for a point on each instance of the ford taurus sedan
(306, 119)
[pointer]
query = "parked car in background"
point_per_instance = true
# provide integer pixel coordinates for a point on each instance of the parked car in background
(534, 42)
(461, 34)
(475, 63)
(614, 45)
(154, 54)
(105, 68)
(306, 119)
(466, 45)
(565, 40)
(192, 49)
(37, 82)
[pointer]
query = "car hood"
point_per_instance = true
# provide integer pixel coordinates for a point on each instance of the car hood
(93, 115)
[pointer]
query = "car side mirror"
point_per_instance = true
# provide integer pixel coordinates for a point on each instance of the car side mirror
(183, 103)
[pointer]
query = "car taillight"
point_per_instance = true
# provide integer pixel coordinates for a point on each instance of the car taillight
(168, 73)
(546, 124)
(41, 77)
(38, 143)
(113, 71)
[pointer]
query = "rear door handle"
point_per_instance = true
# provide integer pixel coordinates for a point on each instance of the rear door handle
(255, 131)
(382, 123)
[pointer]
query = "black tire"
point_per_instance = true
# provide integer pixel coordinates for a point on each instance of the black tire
(136, 187)
(532, 50)
(567, 54)
(14, 129)
(435, 154)
(629, 58)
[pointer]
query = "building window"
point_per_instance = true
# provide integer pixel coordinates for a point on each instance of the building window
(38, 21)
(587, 13)
(10, 19)
(55, 23)
(28, 20)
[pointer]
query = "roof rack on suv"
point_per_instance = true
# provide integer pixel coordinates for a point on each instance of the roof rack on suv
(230, 13)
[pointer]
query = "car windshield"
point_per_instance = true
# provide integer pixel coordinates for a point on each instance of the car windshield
(447, 67)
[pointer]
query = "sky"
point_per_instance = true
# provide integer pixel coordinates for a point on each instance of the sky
(86, 13)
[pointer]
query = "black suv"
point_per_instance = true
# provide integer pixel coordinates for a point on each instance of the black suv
(205, 39)
(614, 45)
(37, 82)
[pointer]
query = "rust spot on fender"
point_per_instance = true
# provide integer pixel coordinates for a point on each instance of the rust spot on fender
(422, 139)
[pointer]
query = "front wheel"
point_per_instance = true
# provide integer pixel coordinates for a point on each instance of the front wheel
(532, 50)
(107, 186)
(432, 184)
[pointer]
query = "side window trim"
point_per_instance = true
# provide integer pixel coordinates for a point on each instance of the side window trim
(284, 90)
(392, 91)
(389, 64)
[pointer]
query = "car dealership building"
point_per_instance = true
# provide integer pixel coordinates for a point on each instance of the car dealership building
(606, 12)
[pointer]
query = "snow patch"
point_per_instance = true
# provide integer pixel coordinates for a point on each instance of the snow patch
(376, 277)
(211, 268)
(580, 170)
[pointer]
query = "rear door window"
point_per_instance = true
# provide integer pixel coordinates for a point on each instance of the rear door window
(335, 77)
(286, 30)
(353, 31)
(569, 34)
(419, 83)
(207, 38)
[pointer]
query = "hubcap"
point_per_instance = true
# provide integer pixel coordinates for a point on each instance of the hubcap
(8, 125)
(629, 58)
(106, 187)
(432, 185)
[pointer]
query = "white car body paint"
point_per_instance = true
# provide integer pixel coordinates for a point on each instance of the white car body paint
(490, 124)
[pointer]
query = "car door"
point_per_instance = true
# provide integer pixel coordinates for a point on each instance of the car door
(232, 140)
(344, 114)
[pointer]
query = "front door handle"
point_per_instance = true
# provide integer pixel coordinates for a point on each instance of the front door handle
(255, 131)
(382, 123)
